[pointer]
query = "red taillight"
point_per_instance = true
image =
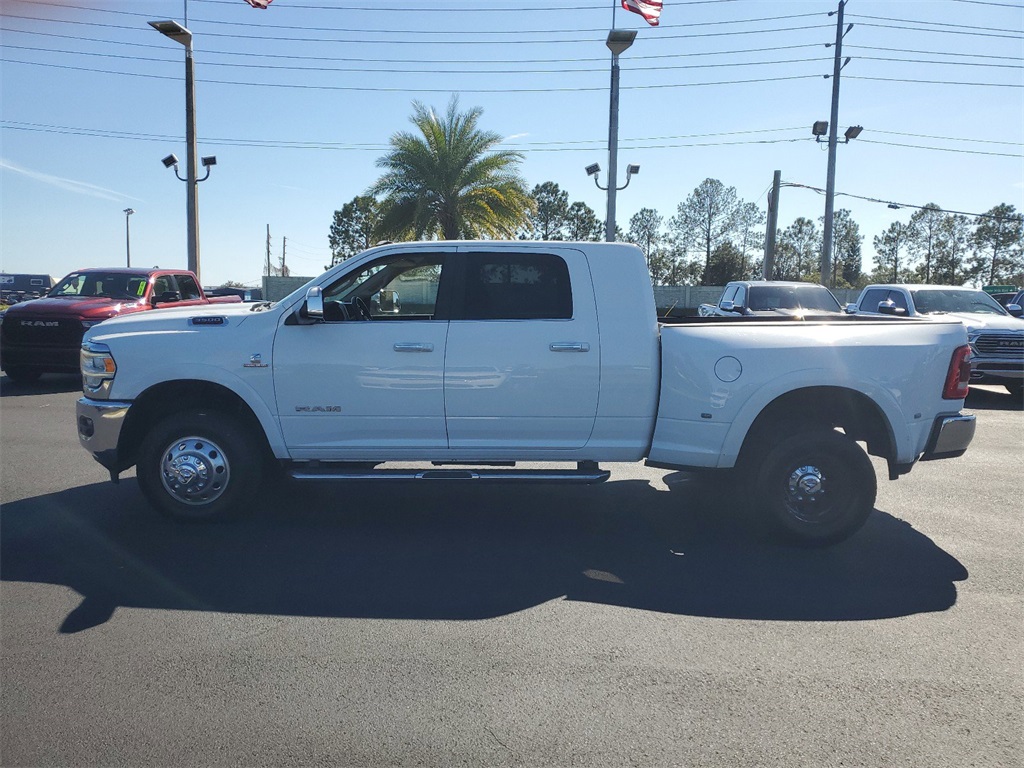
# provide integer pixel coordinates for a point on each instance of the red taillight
(959, 374)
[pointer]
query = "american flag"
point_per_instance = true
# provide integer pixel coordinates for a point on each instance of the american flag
(649, 9)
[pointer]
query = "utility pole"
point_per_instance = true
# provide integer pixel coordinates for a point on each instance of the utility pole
(773, 225)
(833, 141)
(268, 251)
(284, 248)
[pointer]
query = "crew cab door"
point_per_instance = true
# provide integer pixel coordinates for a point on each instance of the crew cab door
(356, 388)
(523, 357)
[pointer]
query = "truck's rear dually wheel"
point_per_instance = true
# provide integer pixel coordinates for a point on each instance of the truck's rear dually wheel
(199, 466)
(816, 487)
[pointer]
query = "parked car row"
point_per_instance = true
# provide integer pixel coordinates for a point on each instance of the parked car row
(45, 335)
(995, 330)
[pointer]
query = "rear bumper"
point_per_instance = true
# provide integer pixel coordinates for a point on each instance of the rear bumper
(99, 430)
(950, 437)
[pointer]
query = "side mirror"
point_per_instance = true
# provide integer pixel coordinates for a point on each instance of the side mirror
(727, 306)
(888, 307)
(166, 297)
(313, 309)
(850, 309)
(387, 302)
(1015, 309)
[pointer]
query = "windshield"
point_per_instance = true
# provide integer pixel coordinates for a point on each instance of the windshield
(112, 285)
(933, 302)
(768, 297)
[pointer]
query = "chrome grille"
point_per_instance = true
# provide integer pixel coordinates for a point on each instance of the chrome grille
(1008, 345)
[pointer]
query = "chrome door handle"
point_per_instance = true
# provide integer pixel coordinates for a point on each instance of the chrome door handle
(411, 346)
(569, 346)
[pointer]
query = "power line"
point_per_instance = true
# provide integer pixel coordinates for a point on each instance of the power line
(295, 57)
(512, 9)
(945, 138)
(276, 38)
(585, 145)
(942, 149)
(1015, 36)
(930, 53)
(477, 70)
(934, 23)
(393, 31)
(369, 89)
(434, 71)
(894, 205)
(934, 82)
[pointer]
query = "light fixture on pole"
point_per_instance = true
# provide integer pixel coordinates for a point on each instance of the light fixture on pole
(181, 34)
(594, 169)
(128, 237)
(618, 41)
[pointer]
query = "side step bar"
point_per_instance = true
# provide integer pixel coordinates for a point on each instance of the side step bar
(586, 473)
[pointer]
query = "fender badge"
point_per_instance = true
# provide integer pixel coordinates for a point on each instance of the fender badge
(256, 361)
(208, 320)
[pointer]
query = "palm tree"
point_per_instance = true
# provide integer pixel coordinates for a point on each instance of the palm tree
(448, 181)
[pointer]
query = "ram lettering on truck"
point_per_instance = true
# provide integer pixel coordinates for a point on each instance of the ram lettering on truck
(45, 335)
(467, 358)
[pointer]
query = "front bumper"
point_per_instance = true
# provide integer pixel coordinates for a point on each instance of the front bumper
(950, 437)
(41, 358)
(99, 430)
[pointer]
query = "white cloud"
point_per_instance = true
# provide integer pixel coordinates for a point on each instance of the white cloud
(68, 185)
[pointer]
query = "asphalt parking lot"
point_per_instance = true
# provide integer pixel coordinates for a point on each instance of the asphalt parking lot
(632, 623)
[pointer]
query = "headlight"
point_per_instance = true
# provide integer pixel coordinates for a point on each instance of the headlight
(98, 368)
(87, 324)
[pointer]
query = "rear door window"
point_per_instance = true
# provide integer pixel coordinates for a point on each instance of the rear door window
(515, 286)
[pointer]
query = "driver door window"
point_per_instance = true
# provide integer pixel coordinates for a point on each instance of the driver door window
(398, 287)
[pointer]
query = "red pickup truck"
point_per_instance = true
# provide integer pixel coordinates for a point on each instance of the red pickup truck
(45, 335)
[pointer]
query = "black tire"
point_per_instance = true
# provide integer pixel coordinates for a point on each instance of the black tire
(815, 488)
(200, 466)
(22, 375)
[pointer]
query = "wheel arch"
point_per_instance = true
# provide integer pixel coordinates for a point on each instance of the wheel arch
(825, 407)
(170, 397)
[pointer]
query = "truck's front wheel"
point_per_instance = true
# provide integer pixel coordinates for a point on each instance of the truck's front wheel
(199, 466)
(816, 487)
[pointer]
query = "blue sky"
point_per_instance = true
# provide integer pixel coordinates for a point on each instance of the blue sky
(298, 101)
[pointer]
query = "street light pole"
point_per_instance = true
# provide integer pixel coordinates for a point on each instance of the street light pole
(181, 34)
(618, 41)
(192, 198)
(128, 237)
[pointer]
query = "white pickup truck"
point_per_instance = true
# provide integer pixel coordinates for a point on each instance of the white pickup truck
(468, 357)
(995, 333)
(771, 297)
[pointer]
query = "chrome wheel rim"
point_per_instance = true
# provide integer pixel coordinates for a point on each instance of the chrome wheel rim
(806, 494)
(194, 471)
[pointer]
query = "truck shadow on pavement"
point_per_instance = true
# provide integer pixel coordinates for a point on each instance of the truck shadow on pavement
(459, 553)
(992, 399)
(48, 384)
